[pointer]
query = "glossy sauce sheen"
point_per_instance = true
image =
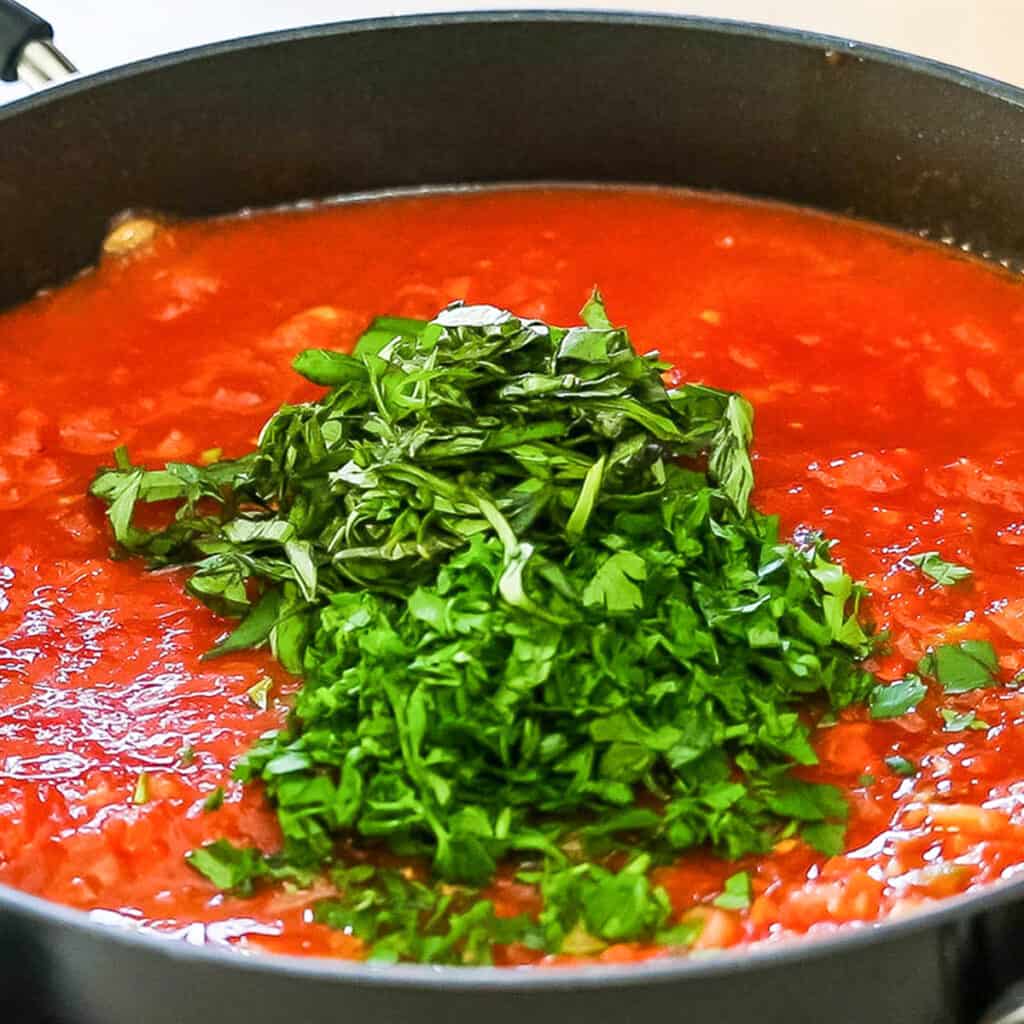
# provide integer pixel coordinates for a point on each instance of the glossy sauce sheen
(889, 398)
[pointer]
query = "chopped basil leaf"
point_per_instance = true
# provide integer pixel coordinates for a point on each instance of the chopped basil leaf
(944, 573)
(894, 699)
(594, 314)
(254, 629)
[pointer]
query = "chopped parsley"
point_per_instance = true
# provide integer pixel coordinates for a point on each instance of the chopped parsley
(524, 585)
(228, 866)
(259, 692)
(894, 699)
(215, 800)
(944, 573)
(140, 794)
(968, 665)
(899, 765)
(736, 894)
(958, 721)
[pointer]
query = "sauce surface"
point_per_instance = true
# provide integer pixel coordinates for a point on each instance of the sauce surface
(888, 394)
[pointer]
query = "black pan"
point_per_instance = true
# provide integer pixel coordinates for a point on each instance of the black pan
(500, 98)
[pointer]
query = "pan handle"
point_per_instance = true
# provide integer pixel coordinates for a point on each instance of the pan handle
(27, 53)
(1008, 1009)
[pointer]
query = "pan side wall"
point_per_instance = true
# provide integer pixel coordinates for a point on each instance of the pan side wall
(581, 99)
(64, 976)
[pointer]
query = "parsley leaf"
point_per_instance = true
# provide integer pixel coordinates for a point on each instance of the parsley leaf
(614, 585)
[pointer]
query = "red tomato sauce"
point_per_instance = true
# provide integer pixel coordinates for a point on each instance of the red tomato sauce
(887, 386)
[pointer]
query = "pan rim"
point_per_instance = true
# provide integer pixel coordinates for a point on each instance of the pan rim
(802, 38)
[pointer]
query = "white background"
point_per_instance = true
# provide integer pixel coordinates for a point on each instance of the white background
(985, 35)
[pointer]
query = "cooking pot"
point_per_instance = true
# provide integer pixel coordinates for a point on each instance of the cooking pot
(511, 97)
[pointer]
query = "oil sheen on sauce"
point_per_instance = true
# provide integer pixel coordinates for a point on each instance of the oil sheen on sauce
(889, 397)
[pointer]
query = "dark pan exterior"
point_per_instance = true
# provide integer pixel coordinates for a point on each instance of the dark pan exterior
(502, 98)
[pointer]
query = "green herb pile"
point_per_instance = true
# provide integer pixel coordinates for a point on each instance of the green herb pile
(538, 624)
